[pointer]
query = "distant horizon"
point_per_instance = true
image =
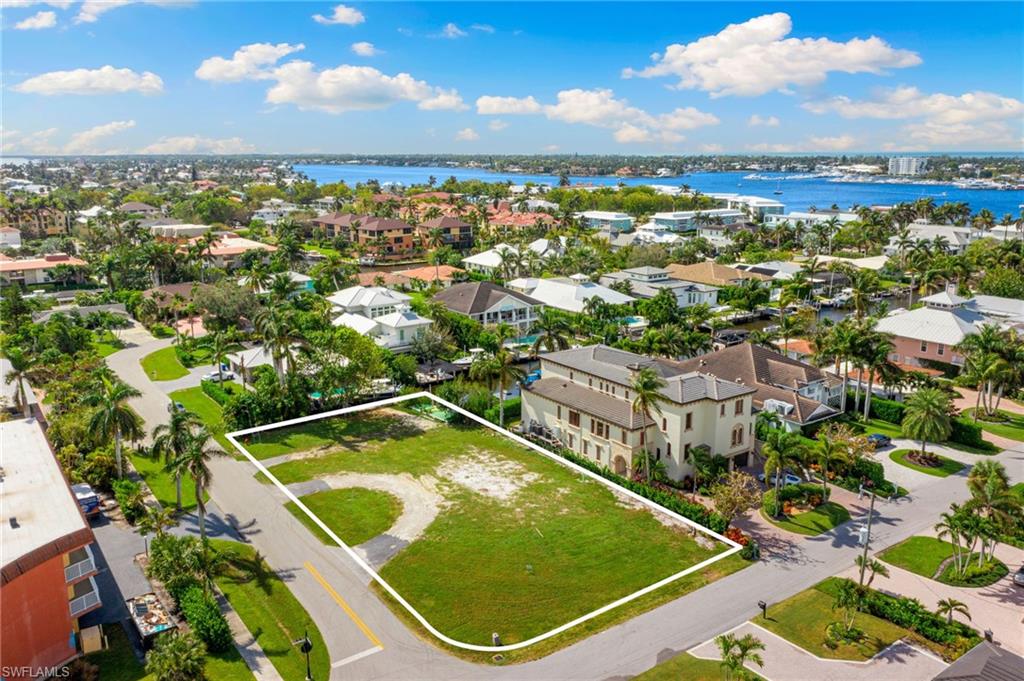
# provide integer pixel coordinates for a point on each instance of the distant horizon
(738, 154)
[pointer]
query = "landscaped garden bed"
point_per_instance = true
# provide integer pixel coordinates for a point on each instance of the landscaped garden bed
(1002, 423)
(928, 463)
(805, 509)
(935, 559)
(531, 540)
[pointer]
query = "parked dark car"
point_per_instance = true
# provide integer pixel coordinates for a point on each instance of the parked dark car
(879, 440)
(1018, 576)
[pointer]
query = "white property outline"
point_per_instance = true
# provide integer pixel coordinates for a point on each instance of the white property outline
(734, 547)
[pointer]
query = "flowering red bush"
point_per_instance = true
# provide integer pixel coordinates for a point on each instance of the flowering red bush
(737, 536)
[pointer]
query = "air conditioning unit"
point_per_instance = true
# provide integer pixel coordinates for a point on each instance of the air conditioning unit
(778, 407)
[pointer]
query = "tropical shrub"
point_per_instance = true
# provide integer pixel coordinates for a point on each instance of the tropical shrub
(177, 657)
(216, 392)
(966, 432)
(887, 410)
(129, 497)
(513, 411)
(205, 618)
(804, 493)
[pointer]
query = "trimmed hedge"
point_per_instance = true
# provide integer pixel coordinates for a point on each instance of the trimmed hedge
(911, 614)
(966, 432)
(205, 618)
(216, 392)
(695, 512)
(513, 410)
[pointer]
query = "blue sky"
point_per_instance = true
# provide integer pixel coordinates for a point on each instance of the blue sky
(209, 77)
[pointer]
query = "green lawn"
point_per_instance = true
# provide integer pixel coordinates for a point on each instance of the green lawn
(892, 430)
(946, 466)
(560, 547)
(328, 433)
(106, 343)
(354, 514)
(920, 555)
(161, 483)
(163, 365)
(802, 620)
(270, 612)
(1011, 427)
(208, 411)
(686, 667)
(813, 522)
(118, 661)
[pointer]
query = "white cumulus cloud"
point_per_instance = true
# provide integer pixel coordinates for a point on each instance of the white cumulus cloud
(757, 56)
(17, 4)
(763, 121)
(812, 143)
(91, 10)
(37, 21)
(342, 14)
(483, 28)
(85, 142)
(248, 62)
(365, 49)
(467, 135)
(451, 31)
(490, 105)
(38, 142)
(102, 81)
(196, 144)
(497, 125)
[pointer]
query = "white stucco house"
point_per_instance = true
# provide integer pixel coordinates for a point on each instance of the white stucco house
(380, 313)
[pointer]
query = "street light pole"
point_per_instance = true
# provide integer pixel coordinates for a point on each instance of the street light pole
(305, 645)
(867, 539)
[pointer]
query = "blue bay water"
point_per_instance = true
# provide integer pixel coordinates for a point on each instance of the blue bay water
(797, 194)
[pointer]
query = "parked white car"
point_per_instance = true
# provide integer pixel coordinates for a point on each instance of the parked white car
(216, 376)
(787, 479)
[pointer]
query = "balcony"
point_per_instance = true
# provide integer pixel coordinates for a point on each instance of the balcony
(85, 597)
(81, 564)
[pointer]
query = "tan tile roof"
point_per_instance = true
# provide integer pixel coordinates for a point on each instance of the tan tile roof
(711, 273)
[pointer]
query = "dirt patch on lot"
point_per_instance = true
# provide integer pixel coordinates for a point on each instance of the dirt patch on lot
(486, 474)
(421, 502)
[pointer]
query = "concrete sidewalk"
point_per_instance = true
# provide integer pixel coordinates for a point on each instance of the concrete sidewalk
(784, 661)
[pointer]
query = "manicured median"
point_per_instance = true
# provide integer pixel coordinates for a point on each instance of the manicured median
(821, 519)
(163, 365)
(945, 468)
(1008, 425)
(270, 611)
(920, 555)
(355, 514)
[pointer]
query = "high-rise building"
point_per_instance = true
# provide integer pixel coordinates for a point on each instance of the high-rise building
(907, 165)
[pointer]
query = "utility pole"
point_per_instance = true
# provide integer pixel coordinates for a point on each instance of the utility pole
(867, 539)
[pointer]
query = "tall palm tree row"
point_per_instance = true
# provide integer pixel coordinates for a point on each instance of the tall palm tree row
(172, 439)
(111, 417)
(194, 461)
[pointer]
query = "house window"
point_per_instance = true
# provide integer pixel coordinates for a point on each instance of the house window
(668, 450)
(689, 420)
(721, 411)
(924, 346)
(571, 441)
(643, 437)
(572, 375)
(590, 382)
(737, 435)
(739, 407)
(574, 418)
(657, 454)
(586, 446)
(623, 436)
(559, 412)
(686, 451)
(597, 452)
(664, 425)
(941, 349)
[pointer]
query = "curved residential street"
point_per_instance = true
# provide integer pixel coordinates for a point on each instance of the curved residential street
(367, 641)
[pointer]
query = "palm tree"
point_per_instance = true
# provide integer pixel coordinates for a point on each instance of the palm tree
(873, 567)
(875, 350)
(177, 657)
(499, 367)
(434, 240)
(157, 520)
(552, 332)
(172, 439)
(258, 280)
(991, 498)
(831, 448)
(927, 417)
(195, 462)
(278, 338)
(647, 398)
(111, 416)
(947, 607)
(779, 449)
(21, 367)
(737, 652)
(949, 526)
(849, 598)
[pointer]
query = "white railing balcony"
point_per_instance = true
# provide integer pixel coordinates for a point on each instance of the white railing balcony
(87, 601)
(80, 568)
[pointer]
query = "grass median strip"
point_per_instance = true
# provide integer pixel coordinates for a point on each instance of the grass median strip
(945, 468)
(821, 519)
(163, 365)
(354, 514)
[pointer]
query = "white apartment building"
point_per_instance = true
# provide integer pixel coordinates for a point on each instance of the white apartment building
(603, 219)
(907, 165)
(753, 206)
(808, 218)
(683, 220)
(584, 398)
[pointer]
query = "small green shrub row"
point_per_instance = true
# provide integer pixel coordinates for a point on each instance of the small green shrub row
(216, 392)
(205, 618)
(695, 512)
(129, 497)
(967, 432)
(887, 410)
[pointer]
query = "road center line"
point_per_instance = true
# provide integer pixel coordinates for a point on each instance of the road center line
(358, 656)
(344, 606)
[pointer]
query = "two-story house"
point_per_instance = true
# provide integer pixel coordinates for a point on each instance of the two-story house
(584, 398)
(800, 394)
(489, 303)
(380, 313)
(454, 232)
(647, 282)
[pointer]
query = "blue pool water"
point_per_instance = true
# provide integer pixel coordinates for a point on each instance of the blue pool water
(798, 194)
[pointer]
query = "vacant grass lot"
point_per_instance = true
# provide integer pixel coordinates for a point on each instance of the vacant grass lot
(920, 555)
(561, 547)
(209, 412)
(355, 514)
(946, 466)
(1011, 426)
(270, 612)
(818, 520)
(163, 365)
(802, 620)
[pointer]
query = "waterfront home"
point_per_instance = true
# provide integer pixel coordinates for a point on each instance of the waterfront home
(48, 567)
(380, 313)
(647, 282)
(809, 218)
(756, 207)
(455, 232)
(711, 273)
(956, 238)
(227, 248)
(489, 304)
(584, 400)
(40, 270)
(686, 220)
(603, 219)
(798, 393)
(568, 293)
(245, 361)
